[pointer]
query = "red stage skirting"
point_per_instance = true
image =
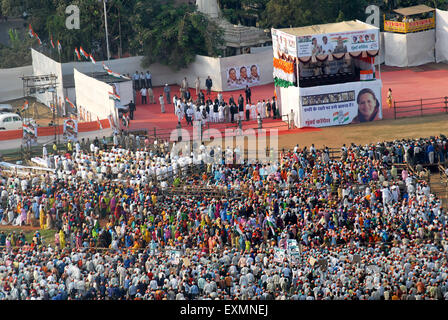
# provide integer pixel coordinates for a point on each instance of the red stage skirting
(49, 131)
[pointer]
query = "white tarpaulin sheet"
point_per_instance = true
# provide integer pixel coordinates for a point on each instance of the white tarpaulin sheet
(395, 49)
(409, 50)
(339, 104)
(420, 46)
(93, 95)
(441, 36)
(43, 65)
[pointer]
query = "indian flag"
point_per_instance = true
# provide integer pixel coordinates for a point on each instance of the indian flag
(85, 54)
(59, 47)
(113, 95)
(239, 229)
(271, 223)
(24, 106)
(28, 129)
(365, 75)
(51, 42)
(106, 68)
(113, 74)
(69, 102)
(77, 54)
(92, 59)
(37, 37)
(31, 31)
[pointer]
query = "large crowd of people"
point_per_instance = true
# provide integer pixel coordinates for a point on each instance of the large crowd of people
(303, 226)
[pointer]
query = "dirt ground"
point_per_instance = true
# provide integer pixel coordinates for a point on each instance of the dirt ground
(38, 111)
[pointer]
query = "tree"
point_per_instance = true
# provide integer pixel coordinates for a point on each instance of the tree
(173, 35)
(298, 13)
(18, 53)
(246, 12)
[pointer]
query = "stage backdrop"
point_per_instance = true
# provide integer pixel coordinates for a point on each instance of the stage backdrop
(339, 104)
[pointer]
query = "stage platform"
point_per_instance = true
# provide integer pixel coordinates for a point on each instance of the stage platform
(426, 81)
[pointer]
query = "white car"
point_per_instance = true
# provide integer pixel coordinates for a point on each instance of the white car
(10, 121)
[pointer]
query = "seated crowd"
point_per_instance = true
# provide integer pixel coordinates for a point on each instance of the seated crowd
(366, 226)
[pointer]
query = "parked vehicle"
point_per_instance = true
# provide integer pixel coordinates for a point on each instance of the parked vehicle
(10, 121)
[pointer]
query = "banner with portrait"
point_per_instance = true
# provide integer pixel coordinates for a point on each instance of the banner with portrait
(339, 104)
(283, 44)
(29, 133)
(70, 130)
(341, 42)
(239, 77)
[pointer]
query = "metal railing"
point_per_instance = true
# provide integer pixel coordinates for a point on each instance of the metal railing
(420, 107)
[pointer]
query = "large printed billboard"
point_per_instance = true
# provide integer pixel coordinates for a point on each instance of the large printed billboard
(285, 45)
(337, 43)
(340, 104)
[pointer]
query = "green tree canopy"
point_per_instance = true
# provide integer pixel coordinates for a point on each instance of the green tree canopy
(173, 35)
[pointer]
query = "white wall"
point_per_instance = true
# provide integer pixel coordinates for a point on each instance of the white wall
(43, 65)
(11, 86)
(161, 74)
(93, 95)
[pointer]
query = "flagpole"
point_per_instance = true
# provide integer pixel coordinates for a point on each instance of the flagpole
(107, 34)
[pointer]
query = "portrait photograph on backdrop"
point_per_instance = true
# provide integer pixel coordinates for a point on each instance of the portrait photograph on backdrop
(240, 76)
(70, 130)
(368, 106)
(29, 133)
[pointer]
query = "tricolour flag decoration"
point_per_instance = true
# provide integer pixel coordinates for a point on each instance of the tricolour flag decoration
(51, 42)
(30, 31)
(284, 70)
(114, 74)
(106, 67)
(28, 129)
(92, 59)
(77, 54)
(271, 223)
(113, 95)
(69, 102)
(33, 34)
(85, 54)
(59, 47)
(24, 106)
